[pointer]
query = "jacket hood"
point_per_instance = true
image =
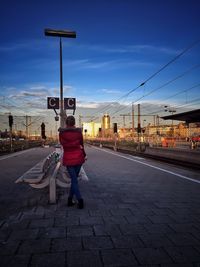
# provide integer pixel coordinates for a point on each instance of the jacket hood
(61, 130)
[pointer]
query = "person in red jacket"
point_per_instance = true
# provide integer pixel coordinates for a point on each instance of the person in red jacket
(74, 156)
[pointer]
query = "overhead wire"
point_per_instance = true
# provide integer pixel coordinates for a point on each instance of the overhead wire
(183, 105)
(165, 84)
(153, 75)
(178, 93)
(177, 107)
(174, 59)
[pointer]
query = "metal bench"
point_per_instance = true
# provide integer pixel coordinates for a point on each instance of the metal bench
(48, 172)
(37, 173)
(43, 174)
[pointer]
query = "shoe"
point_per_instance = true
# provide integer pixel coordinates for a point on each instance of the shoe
(80, 204)
(70, 202)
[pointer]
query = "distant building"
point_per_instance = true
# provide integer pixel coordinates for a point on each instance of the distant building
(91, 129)
(105, 122)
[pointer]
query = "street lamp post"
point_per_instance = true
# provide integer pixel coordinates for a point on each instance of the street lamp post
(67, 34)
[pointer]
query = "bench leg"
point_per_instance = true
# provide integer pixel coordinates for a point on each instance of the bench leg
(52, 185)
(52, 191)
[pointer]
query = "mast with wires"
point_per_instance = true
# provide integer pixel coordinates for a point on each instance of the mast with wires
(139, 122)
(124, 120)
(133, 129)
(178, 56)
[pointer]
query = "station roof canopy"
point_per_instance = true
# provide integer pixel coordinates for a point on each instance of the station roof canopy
(190, 116)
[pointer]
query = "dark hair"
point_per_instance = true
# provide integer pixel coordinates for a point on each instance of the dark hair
(70, 121)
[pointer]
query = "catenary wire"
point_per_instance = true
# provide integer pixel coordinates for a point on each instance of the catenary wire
(153, 75)
(171, 96)
(165, 84)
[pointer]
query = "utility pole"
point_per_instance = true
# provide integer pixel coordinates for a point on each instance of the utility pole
(133, 129)
(10, 119)
(30, 128)
(154, 120)
(27, 125)
(157, 125)
(139, 123)
(172, 111)
(124, 116)
(157, 120)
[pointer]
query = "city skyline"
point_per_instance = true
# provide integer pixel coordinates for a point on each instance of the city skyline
(119, 46)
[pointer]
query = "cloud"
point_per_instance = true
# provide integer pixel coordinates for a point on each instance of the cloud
(75, 63)
(122, 49)
(24, 101)
(13, 47)
(86, 63)
(38, 87)
(100, 107)
(30, 100)
(35, 104)
(98, 65)
(110, 91)
(109, 64)
(37, 91)
(151, 48)
(28, 45)
(67, 88)
(26, 94)
(92, 105)
(41, 44)
(55, 91)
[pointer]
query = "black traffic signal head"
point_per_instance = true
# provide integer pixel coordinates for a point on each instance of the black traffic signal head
(10, 118)
(43, 131)
(115, 127)
(139, 129)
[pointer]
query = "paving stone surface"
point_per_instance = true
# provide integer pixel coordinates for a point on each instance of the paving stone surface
(129, 220)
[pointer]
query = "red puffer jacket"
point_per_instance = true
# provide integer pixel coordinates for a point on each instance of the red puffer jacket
(72, 141)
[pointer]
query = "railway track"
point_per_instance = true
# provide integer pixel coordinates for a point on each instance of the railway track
(163, 158)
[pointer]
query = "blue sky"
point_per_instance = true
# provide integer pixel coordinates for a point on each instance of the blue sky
(119, 44)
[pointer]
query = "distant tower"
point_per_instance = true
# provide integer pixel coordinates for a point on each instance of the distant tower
(106, 122)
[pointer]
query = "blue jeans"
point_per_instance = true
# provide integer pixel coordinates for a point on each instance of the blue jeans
(73, 173)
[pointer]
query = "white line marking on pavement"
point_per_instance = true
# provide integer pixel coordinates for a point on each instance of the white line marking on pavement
(149, 165)
(136, 157)
(14, 154)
